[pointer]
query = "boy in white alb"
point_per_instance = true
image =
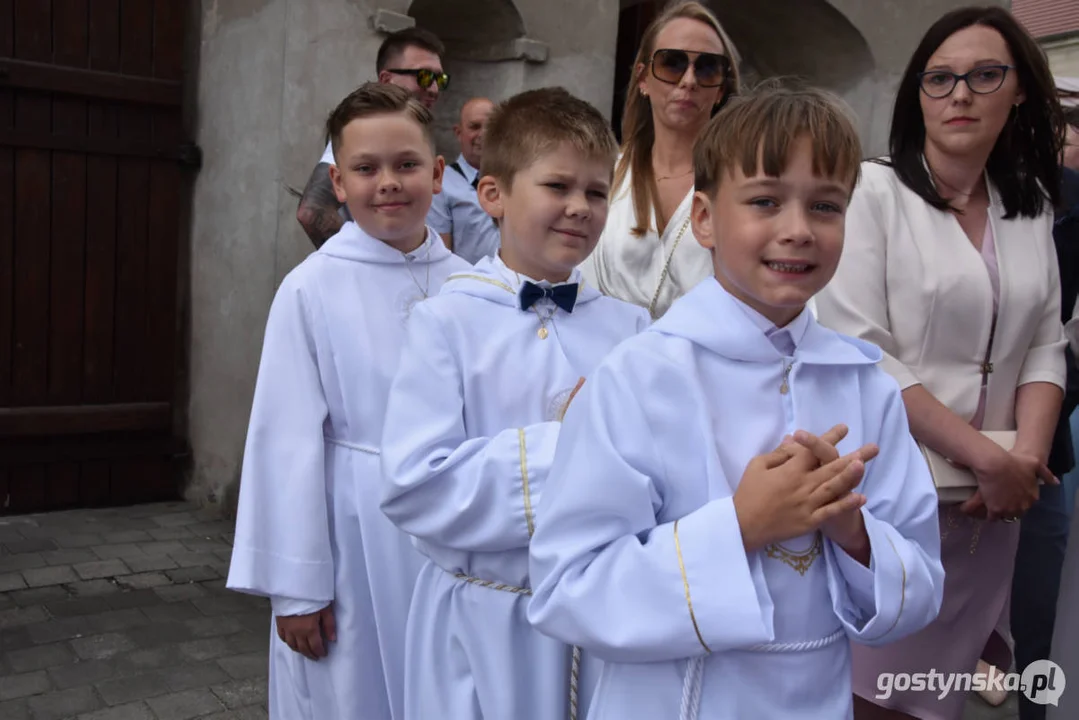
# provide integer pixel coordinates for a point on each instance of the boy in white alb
(488, 369)
(701, 535)
(309, 534)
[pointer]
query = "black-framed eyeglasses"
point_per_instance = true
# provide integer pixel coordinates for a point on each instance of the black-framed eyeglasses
(981, 80)
(710, 69)
(424, 77)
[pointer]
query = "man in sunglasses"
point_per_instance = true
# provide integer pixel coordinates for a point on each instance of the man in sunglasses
(411, 59)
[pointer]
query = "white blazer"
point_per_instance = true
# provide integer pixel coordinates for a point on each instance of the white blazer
(911, 281)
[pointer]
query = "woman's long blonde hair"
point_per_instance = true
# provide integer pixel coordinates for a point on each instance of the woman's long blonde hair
(638, 132)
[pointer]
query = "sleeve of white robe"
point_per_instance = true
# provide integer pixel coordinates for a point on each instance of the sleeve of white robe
(900, 593)
(459, 492)
(855, 302)
(1045, 360)
(607, 576)
(282, 547)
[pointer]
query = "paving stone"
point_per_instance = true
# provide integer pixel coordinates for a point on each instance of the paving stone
(69, 557)
(43, 633)
(196, 574)
(163, 548)
(25, 561)
(101, 569)
(30, 546)
(102, 647)
(190, 677)
(175, 519)
(39, 596)
(11, 581)
(150, 563)
(222, 605)
(206, 649)
(40, 657)
(242, 667)
(17, 638)
(75, 607)
(171, 533)
(186, 558)
(177, 593)
(250, 713)
(117, 620)
(17, 617)
(93, 588)
(79, 674)
(129, 689)
(241, 693)
(216, 587)
(128, 536)
(202, 545)
(146, 660)
(57, 575)
(141, 581)
(159, 633)
(185, 705)
(118, 552)
(134, 599)
(131, 711)
(15, 710)
(63, 704)
(219, 626)
(6, 603)
(13, 687)
(174, 613)
(83, 540)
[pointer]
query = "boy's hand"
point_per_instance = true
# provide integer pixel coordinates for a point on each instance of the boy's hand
(307, 634)
(785, 494)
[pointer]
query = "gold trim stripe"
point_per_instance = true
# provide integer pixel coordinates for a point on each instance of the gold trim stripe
(481, 278)
(524, 482)
(685, 584)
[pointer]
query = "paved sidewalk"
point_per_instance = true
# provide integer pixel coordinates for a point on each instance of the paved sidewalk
(122, 614)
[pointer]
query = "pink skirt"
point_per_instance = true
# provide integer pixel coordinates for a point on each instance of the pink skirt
(978, 559)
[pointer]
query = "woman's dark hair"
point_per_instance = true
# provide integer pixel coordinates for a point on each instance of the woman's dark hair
(1024, 165)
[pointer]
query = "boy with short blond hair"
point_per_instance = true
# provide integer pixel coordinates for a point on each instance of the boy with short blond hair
(309, 534)
(701, 533)
(489, 367)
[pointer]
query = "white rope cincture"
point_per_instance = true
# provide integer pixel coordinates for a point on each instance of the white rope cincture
(691, 687)
(351, 446)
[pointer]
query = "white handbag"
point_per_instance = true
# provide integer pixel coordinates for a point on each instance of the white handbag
(955, 483)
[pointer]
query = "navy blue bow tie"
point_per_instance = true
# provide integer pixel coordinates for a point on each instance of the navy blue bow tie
(564, 296)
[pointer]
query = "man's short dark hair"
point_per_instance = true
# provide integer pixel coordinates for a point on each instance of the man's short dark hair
(396, 43)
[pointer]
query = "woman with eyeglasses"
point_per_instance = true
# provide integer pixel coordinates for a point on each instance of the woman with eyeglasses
(949, 267)
(685, 68)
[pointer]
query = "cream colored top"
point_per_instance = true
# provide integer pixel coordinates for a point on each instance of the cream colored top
(911, 282)
(629, 268)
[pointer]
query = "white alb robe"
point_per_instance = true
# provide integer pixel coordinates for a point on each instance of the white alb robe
(309, 531)
(630, 268)
(470, 432)
(640, 558)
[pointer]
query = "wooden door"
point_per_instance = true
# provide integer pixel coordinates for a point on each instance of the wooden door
(94, 188)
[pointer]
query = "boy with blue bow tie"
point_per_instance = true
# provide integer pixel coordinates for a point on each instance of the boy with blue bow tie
(475, 409)
(701, 533)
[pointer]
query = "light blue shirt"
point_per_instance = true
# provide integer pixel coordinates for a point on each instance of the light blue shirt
(456, 210)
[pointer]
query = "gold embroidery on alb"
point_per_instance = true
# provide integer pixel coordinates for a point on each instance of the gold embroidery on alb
(800, 560)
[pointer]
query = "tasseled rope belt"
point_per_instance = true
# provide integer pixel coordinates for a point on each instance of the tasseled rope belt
(691, 688)
(575, 664)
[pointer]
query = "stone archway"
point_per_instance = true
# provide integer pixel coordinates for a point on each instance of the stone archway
(481, 36)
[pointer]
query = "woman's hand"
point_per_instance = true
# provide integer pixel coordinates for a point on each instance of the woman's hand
(1007, 483)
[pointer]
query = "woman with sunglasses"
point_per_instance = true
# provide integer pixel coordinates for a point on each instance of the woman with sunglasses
(685, 68)
(949, 267)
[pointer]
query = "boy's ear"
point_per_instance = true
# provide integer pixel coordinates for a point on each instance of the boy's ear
(440, 170)
(338, 184)
(490, 196)
(701, 216)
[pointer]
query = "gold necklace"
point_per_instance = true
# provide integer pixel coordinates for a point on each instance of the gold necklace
(672, 177)
(800, 560)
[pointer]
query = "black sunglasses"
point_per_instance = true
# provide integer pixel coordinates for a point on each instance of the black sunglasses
(425, 77)
(710, 69)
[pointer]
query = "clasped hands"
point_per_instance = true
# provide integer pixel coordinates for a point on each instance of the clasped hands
(802, 486)
(1007, 482)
